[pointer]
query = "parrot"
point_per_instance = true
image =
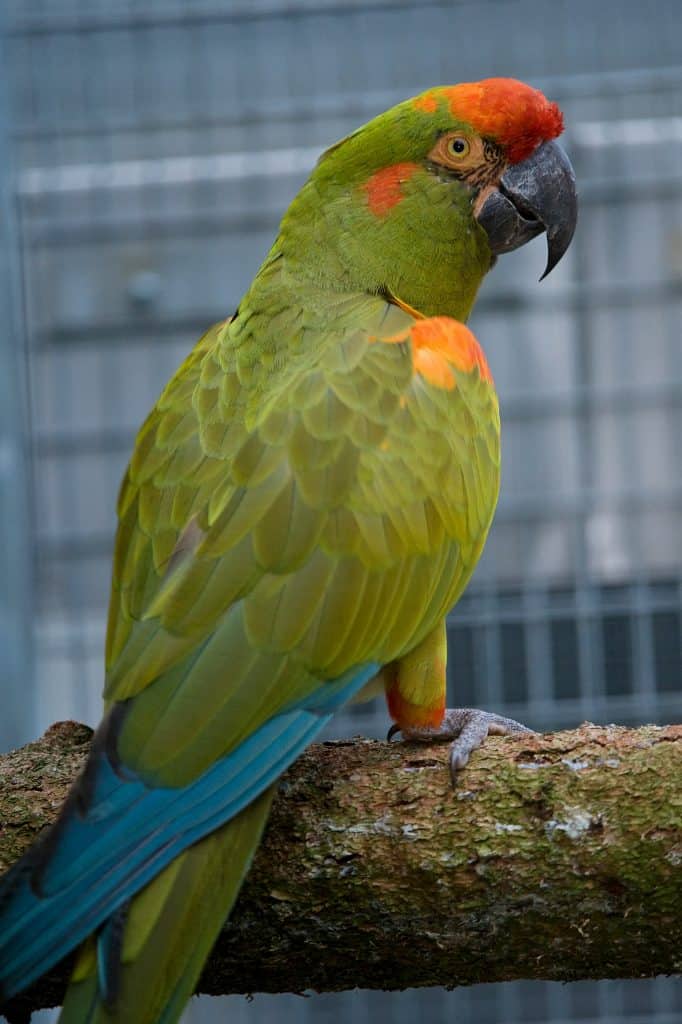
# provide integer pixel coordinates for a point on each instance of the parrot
(304, 504)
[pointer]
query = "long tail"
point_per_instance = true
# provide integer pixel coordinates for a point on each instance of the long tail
(143, 967)
(117, 833)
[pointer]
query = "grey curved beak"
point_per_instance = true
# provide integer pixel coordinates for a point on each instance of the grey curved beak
(537, 195)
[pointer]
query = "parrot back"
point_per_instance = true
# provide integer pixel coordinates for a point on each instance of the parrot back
(288, 526)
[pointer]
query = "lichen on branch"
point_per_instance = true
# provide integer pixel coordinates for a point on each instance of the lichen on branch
(555, 857)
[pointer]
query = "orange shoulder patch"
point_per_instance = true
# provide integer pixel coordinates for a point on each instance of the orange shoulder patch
(439, 343)
(384, 188)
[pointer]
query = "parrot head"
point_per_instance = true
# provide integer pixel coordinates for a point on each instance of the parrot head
(419, 202)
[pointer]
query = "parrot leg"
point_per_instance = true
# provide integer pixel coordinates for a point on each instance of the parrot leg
(415, 691)
(467, 727)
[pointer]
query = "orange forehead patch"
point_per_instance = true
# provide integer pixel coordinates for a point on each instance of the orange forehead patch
(511, 112)
(440, 343)
(428, 102)
(384, 190)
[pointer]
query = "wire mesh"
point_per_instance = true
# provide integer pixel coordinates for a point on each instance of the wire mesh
(158, 144)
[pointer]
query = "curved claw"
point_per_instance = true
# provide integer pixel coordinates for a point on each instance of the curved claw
(474, 726)
(467, 728)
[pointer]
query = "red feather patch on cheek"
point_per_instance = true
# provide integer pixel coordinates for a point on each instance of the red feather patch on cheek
(384, 189)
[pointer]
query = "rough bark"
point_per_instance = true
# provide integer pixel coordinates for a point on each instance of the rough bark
(556, 857)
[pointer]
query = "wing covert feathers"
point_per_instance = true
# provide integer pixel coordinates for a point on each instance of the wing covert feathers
(306, 520)
(305, 502)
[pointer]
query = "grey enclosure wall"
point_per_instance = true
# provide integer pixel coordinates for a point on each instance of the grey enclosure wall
(156, 145)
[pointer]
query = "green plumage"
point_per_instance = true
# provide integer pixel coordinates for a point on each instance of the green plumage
(339, 526)
(304, 504)
(170, 929)
(299, 502)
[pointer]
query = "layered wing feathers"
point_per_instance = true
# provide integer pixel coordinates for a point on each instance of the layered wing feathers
(287, 527)
(273, 538)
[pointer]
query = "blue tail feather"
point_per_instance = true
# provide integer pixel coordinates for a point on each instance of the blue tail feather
(117, 832)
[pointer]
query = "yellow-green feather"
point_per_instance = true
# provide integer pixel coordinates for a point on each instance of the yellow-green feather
(299, 502)
(319, 540)
(169, 929)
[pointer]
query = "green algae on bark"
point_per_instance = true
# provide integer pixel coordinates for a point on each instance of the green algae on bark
(556, 857)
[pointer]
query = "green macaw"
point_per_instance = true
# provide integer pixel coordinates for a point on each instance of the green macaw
(305, 502)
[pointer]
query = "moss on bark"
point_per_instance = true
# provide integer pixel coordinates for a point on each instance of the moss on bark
(556, 857)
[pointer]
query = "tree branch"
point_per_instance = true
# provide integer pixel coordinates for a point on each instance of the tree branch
(556, 857)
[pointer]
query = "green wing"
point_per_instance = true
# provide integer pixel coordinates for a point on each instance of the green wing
(293, 508)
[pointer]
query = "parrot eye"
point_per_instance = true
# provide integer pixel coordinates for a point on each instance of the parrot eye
(460, 153)
(458, 146)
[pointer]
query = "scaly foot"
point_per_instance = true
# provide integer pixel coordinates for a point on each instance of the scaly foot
(468, 727)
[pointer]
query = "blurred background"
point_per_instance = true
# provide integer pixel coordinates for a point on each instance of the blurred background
(147, 151)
